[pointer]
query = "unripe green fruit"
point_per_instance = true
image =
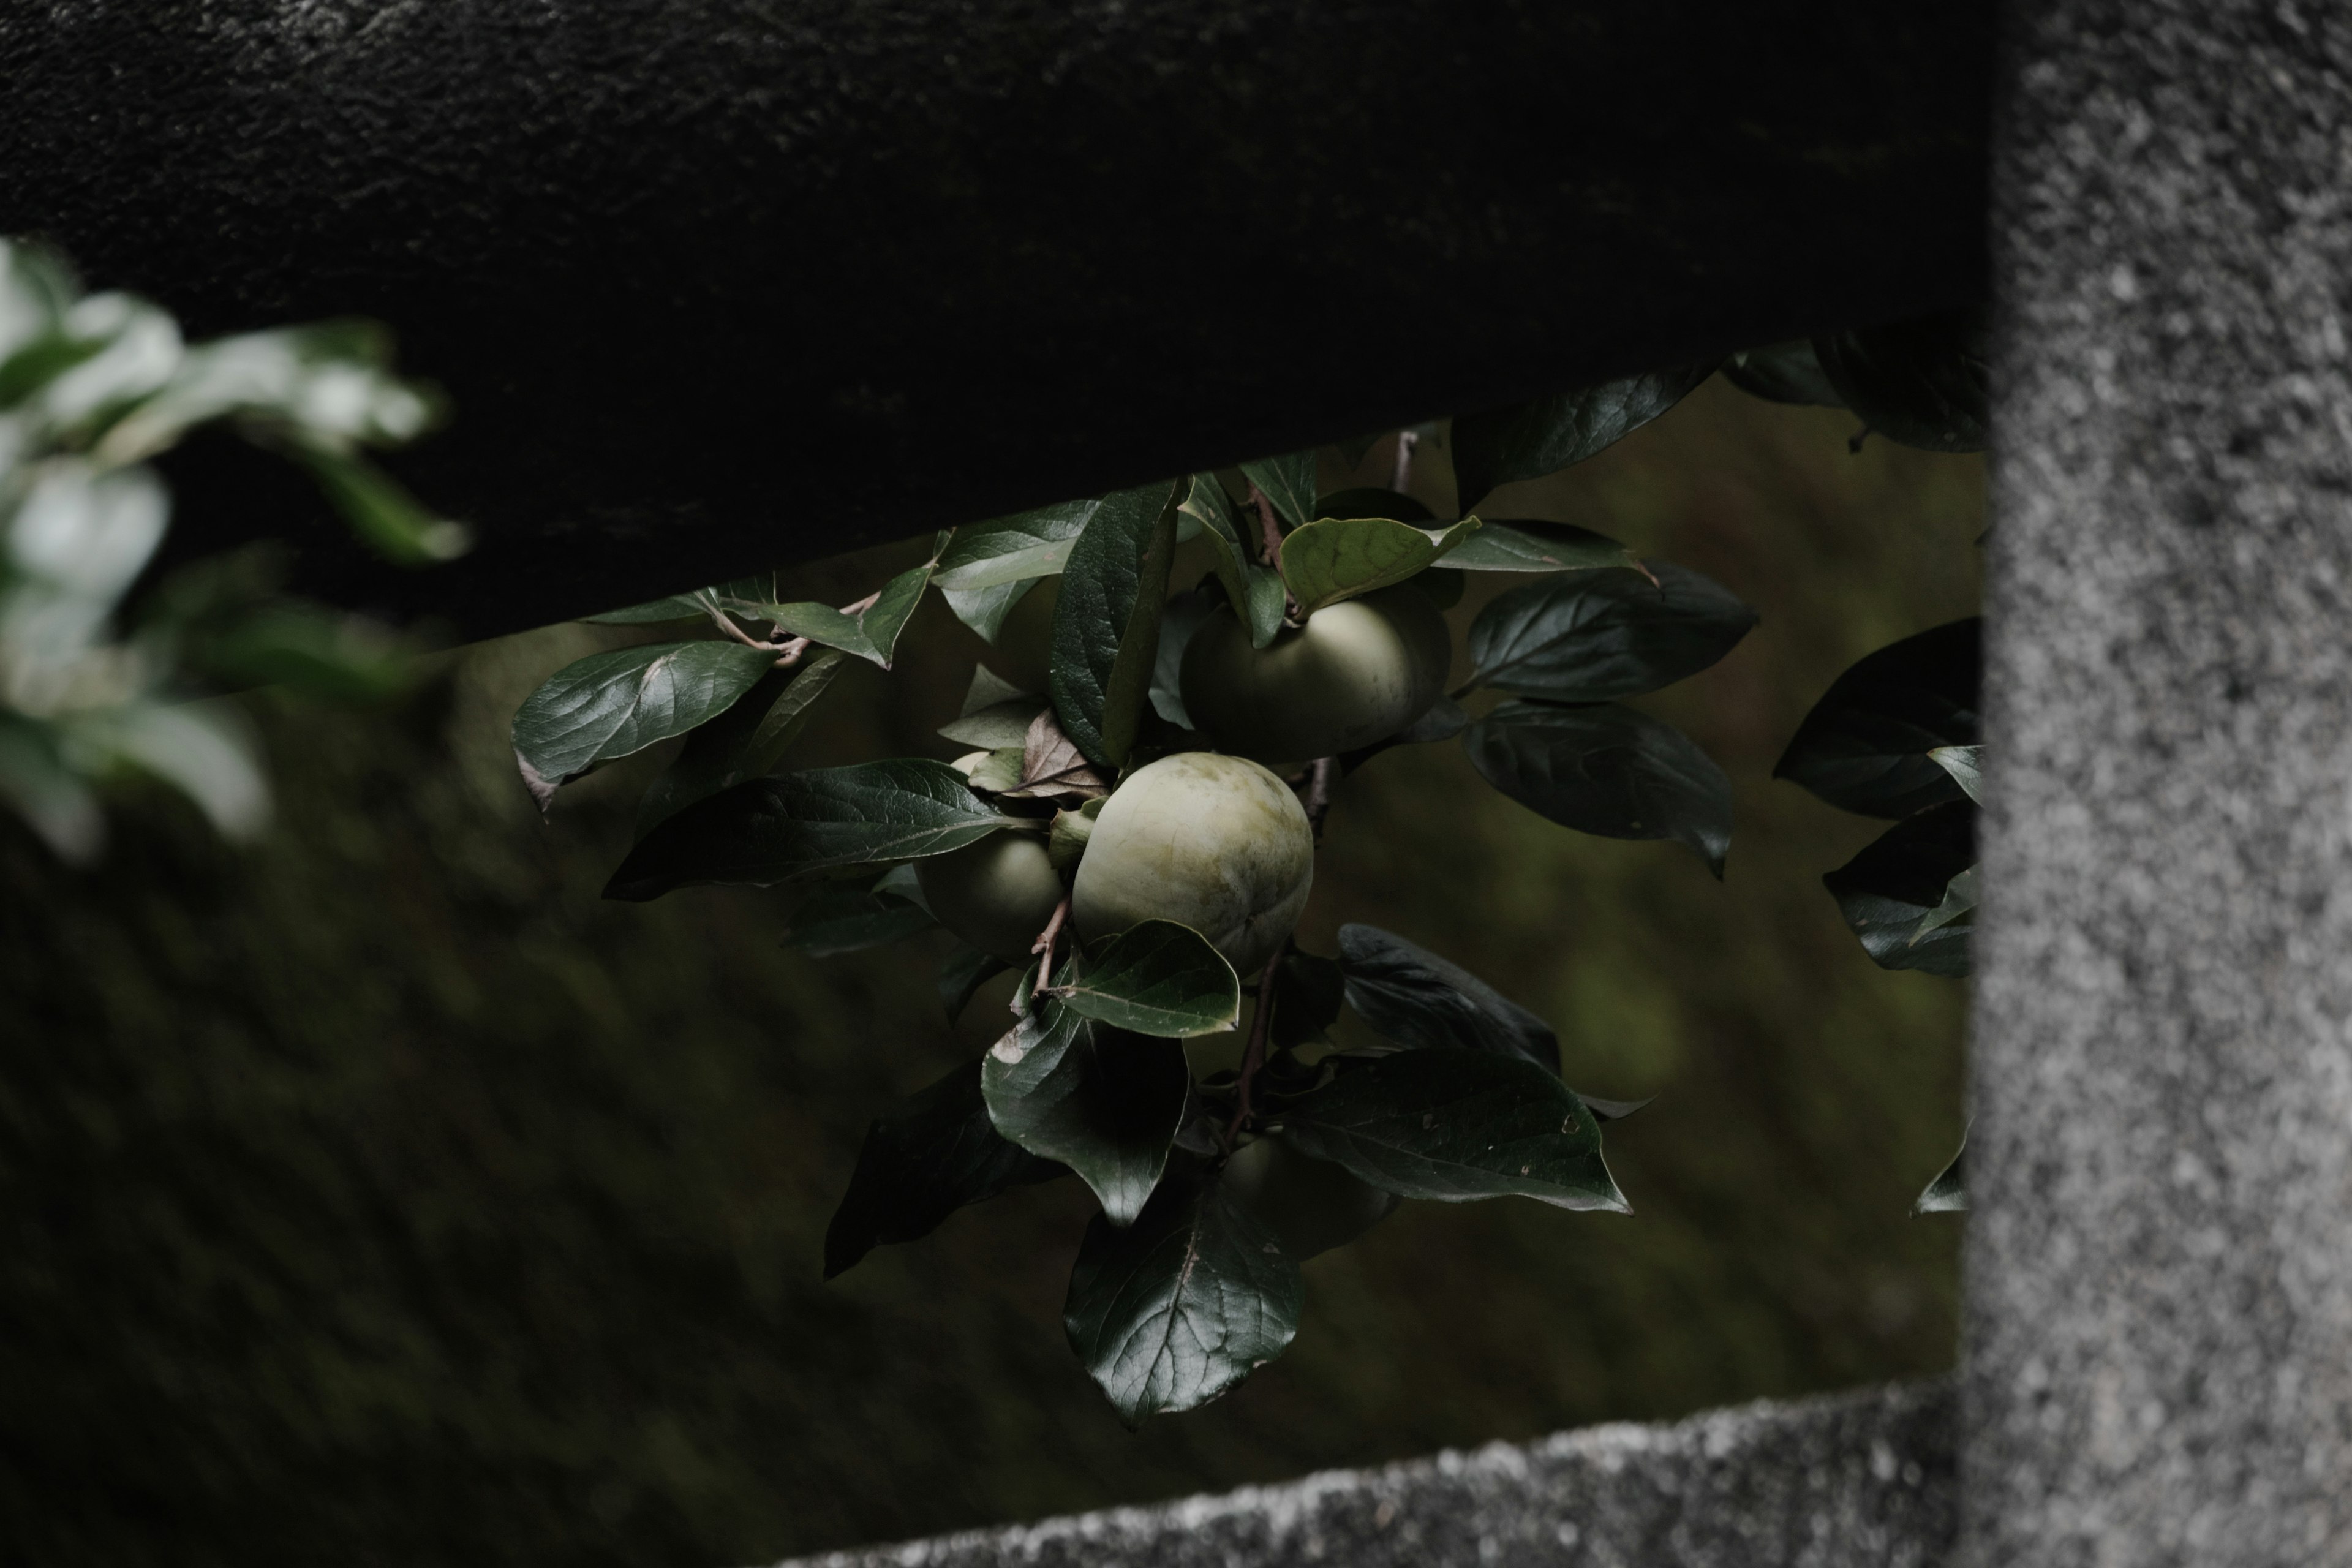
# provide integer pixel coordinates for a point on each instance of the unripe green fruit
(1357, 672)
(997, 894)
(1213, 842)
(1311, 1206)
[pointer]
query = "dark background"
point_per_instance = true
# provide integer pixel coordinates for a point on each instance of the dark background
(380, 1195)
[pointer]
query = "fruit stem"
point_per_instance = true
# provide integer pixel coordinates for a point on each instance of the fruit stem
(1269, 531)
(1045, 942)
(1261, 1025)
(1319, 791)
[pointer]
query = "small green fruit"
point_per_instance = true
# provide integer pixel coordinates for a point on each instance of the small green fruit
(1357, 672)
(1310, 1205)
(1213, 842)
(997, 894)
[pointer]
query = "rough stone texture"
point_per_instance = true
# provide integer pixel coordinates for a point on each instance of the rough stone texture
(717, 284)
(1857, 1479)
(2160, 1274)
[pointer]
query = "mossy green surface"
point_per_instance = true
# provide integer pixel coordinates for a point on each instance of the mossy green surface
(380, 1195)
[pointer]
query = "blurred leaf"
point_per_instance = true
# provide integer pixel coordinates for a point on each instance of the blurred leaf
(1156, 978)
(1948, 1192)
(1961, 763)
(1307, 989)
(202, 751)
(1783, 373)
(1106, 625)
(1104, 1102)
(1528, 440)
(125, 351)
(1181, 1305)
(1288, 482)
(52, 798)
(766, 831)
(1343, 557)
(1527, 545)
(871, 634)
(1866, 746)
(934, 1153)
(1899, 880)
(961, 975)
(306, 649)
(1254, 591)
(1590, 637)
(87, 534)
(379, 512)
(1456, 1126)
(609, 705)
(1924, 382)
(836, 920)
(1606, 770)
(1410, 996)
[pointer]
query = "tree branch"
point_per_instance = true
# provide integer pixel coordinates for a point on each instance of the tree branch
(1316, 797)
(1253, 1059)
(1269, 531)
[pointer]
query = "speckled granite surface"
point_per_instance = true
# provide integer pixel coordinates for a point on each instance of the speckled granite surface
(2159, 1296)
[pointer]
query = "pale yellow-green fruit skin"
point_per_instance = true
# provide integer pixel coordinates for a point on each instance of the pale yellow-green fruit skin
(1311, 1206)
(1213, 842)
(1357, 672)
(997, 894)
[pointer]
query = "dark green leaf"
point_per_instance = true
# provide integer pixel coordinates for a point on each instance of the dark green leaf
(871, 634)
(933, 1155)
(996, 713)
(766, 831)
(1606, 770)
(1948, 1192)
(1527, 545)
(677, 607)
(1411, 996)
(1178, 1307)
(1923, 383)
(1026, 545)
(984, 609)
(611, 704)
(1288, 482)
(1456, 1126)
(1156, 978)
(1343, 558)
(1183, 617)
(1106, 625)
(1100, 1100)
(961, 975)
(1254, 591)
(303, 647)
(1965, 766)
(1864, 747)
(744, 743)
(1590, 637)
(1783, 373)
(1528, 440)
(1899, 878)
(841, 919)
(1959, 901)
(1307, 988)
(1371, 502)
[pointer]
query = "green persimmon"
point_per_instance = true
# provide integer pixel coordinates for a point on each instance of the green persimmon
(1213, 842)
(1310, 1205)
(997, 894)
(1357, 672)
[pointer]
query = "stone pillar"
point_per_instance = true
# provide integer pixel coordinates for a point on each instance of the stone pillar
(2159, 1268)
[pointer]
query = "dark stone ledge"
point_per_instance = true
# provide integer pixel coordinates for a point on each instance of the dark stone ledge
(1854, 1478)
(723, 283)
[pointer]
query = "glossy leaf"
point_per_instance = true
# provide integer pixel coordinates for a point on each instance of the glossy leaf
(1948, 1192)
(384, 514)
(1528, 440)
(806, 824)
(1866, 746)
(1591, 637)
(1254, 591)
(872, 634)
(1528, 545)
(746, 742)
(1924, 382)
(961, 975)
(1156, 978)
(1783, 373)
(1021, 547)
(1343, 557)
(1606, 770)
(1456, 1126)
(1410, 996)
(1959, 903)
(985, 610)
(934, 1153)
(1178, 1307)
(842, 919)
(1107, 623)
(1899, 880)
(1289, 483)
(1307, 991)
(1100, 1100)
(1962, 763)
(609, 705)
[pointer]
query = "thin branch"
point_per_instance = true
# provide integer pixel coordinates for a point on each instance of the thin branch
(1261, 1025)
(1045, 945)
(1269, 531)
(1317, 799)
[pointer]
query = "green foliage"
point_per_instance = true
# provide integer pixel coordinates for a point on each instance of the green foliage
(1289, 483)
(615, 704)
(1783, 373)
(1107, 626)
(1597, 635)
(1948, 1192)
(1415, 999)
(1101, 1100)
(1891, 892)
(1341, 558)
(1155, 978)
(1528, 440)
(1606, 769)
(1924, 382)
